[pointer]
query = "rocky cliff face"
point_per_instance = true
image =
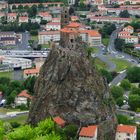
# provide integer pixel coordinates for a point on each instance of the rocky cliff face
(70, 87)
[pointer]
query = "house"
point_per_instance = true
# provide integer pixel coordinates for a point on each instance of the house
(31, 72)
(53, 26)
(22, 98)
(123, 33)
(71, 2)
(130, 39)
(7, 38)
(74, 18)
(98, 2)
(129, 29)
(46, 36)
(45, 16)
(3, 5)
(59, 121)
(88, 133)
(139, 34)
(11, 17)
(56, 19)
(137, 47)
(23, 19)
(126, 132)
(2, 14)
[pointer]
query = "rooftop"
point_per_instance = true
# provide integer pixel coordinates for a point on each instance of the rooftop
(126, 129)
(88, 131)
(24, 93)
(31, 71)
(59, 121)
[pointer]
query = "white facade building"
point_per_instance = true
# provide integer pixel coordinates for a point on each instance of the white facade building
(22, 98)
(53, 26)
(126, 132)
(47, 36)
(129, 29)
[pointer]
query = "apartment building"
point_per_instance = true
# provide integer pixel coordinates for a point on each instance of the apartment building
(7, 38)
(45, 36)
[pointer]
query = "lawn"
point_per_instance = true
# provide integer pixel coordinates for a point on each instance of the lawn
(45, 46)
(19, 119)
(35, 38)
(5, 110)
(100, 64)
(6, 74)
(105, 41)
(95, 49)
(120, 63)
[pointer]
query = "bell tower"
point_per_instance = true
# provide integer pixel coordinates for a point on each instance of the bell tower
(65, 17)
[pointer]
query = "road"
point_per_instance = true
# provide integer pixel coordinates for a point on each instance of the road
(114, 53)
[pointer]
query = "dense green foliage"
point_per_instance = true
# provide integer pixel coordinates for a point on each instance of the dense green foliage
(107, 29)
(117, 93)
(107, 75)
(119, 44)
(45, 130)
(133, 74)
(124, 14)
(125, 84)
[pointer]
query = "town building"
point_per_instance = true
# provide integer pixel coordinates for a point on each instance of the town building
(45, 16)
(22, 98)
(71, 2)
(45, 37)
(59, 121)
(7, 38)
(126, 132)
(11, 17)
(110, 19)
(23, 19)
(53, 26)
(74, 18)
(130, 39)
(45, 4)
(91, 37)
(98, 2)
(88, 133)
(17, 63)
(129, 29)
(3, 5)
(31, 72)
(123, 33)
(56, 19)
(137, 47)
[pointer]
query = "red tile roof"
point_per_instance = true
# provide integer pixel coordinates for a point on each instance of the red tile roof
(91, 32)
(88, 131)
(126, 129)
(73, 25)
(59, 121)
(31, 71)
(67, 30)
(25, 94)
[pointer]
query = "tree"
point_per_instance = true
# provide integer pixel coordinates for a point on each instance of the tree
(32, 11)
(135, 91)
(125, 84)
(117, 92)
(124, 14)
(70, 131)
(119, 101)
(134, 102)
(106, 74)
(133, 74)
(122, 119)
(40, 6)
(119, 44)
(14, 7)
